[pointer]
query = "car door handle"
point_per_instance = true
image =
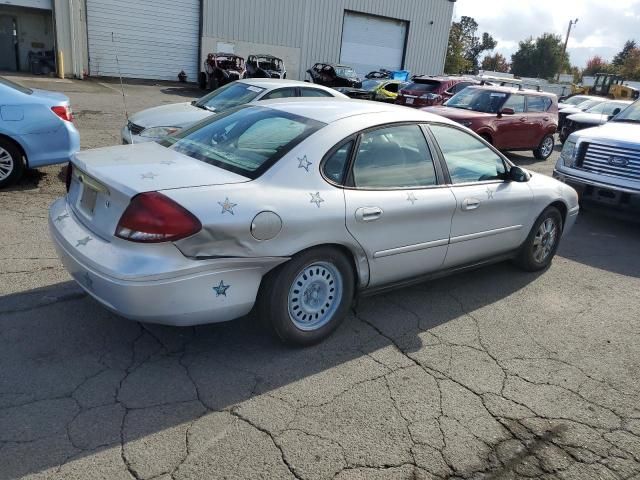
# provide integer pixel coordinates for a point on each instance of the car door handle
(523, 119)
(368, 214)
(470, 204)
(546, 119)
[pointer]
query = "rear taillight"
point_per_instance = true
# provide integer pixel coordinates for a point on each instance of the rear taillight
(64, 112)
(68, 175)
(152, 217)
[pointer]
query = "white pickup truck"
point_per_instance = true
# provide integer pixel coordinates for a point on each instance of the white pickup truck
(603, 163)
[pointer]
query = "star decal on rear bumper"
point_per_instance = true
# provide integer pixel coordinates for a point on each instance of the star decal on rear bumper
(83, 241)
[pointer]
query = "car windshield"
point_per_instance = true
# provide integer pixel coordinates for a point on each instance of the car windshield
(588, 104)
(630, 114)
(246, 140)
(478, 100)
(574, 100)
(15, 86)
(371, 84)
(345, 72)
(229, 96)
(425, 86)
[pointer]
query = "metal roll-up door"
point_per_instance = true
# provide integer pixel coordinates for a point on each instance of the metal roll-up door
(370, 42)
(153, 39)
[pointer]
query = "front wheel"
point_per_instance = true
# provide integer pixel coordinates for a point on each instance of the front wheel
(11, 164)
(541, 245)
(306, 299)
(545, 148)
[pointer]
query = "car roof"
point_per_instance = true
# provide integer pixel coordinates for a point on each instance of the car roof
(325, 111)
(512, 90)
(278, 83)
(441, 78)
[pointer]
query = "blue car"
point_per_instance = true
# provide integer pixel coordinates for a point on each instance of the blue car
(36, 129)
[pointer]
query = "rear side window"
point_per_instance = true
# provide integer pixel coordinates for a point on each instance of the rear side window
(314, 92)
(335, 166)
(280, 93)
(460, 86)
(538, 104)
(393, 157)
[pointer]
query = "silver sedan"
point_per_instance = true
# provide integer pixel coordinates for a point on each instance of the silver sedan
(297, 206)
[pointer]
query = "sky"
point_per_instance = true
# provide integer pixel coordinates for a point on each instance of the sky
(603, 26)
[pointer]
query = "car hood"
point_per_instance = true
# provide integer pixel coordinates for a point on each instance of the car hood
(570, 110)
(51, 98)
(132, 169)
(174, 115)
(457, 114)
(611, 131)
(592, 118)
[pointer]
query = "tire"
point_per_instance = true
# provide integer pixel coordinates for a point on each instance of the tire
(534, 254)
(11, 164)
(545, 149)
(306, 315)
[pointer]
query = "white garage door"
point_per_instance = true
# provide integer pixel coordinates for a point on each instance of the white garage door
(370, 43)
(152, 38)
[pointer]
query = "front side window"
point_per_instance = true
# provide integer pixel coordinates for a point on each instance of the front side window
(466, 157)
(280, 93)
(246, 140)
(229, 96)
(393, 157)
(516, 102)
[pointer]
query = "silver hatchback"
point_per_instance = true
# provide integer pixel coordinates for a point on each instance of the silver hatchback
(297, 206)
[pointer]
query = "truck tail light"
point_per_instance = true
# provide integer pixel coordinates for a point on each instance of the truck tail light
(153, 217)
(64, 112)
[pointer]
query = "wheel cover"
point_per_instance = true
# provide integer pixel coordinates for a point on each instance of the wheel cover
(545, 240)
(6, 164)
(547, 146)
(314, 296)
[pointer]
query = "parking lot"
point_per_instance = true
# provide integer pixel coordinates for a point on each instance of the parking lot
(493, 374)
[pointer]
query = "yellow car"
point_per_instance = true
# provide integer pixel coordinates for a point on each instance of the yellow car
(380, 89)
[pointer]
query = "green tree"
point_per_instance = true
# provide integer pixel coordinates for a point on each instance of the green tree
(619, 59)
(630, 69)
(465, 47)
(495, 63)
(540, 58)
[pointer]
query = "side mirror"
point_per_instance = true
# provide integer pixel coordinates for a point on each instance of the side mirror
(507, 111)
(517, 174)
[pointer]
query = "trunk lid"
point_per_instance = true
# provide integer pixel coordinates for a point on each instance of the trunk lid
(174, 115)
(105, 179)
(50, 98)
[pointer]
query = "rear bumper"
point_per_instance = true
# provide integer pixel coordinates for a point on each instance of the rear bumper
(171, 290)
(52, 147)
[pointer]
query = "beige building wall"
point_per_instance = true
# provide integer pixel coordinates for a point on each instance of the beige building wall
(71, 37)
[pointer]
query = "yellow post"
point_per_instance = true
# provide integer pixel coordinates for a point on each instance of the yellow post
(60, 64)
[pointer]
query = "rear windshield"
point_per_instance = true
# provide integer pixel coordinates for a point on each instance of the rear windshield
(15, 86)
(423, 86)
(588, 104)
(575, 100)
(371, 84)
(231, 95)
(246, 140)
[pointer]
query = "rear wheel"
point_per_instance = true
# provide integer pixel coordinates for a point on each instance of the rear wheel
(541, 245)
(11, 164)
(306, 299)
(545, 148)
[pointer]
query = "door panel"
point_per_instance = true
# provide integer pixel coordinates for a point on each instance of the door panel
(513, 130)
(396, 210)
(491, 213)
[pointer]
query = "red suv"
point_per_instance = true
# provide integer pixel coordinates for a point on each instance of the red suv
(508, 118)
(425, 91)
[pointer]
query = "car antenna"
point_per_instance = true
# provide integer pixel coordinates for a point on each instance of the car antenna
(124, 97)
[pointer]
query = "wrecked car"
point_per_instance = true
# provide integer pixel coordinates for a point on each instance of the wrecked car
(334, 75)
(264, 66)
(220, 69)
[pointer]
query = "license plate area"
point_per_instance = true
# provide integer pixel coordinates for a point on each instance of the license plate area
(88, 200)
(409, 101)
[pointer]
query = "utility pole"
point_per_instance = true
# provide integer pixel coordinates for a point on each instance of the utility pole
(566, 41)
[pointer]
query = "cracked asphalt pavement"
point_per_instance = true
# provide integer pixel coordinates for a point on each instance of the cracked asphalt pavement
(492, 374)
